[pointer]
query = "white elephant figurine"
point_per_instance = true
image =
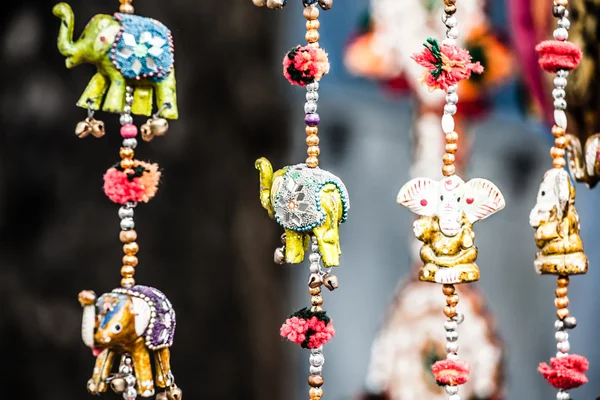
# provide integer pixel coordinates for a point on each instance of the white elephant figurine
(448, 209)
(556, 225)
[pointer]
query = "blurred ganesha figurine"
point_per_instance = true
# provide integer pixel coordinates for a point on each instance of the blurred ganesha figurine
(556, 225)
(448, 210)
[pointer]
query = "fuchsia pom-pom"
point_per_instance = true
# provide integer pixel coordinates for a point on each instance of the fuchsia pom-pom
(556, 55)
(446, 64)
(308, 329)
(138, 184)
(565, 372)
(451, 372)
(305, 64)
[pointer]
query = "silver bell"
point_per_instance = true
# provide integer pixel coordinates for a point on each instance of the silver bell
(118, 385)
(162, 396)
(260, 3)
(330, 281)
(279, 256)
(83, 129)
(174, 393)
(146, 131)
(158, 126)
(326, 4)
(275, 4)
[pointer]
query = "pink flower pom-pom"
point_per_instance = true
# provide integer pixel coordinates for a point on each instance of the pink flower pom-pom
(305, 64)
(565, 372)
(309, 330)
(556, 55)
(138, 184)
(149, 180)
(451, 372)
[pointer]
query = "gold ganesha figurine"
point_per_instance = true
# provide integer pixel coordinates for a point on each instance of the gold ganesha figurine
(556, 225)
(448, 210)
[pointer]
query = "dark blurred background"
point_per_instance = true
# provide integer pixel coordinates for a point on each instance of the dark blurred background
(206, 242)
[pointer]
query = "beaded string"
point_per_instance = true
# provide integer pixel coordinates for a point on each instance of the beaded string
(557, 231)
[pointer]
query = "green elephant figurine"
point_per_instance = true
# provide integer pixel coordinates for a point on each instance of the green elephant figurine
(133, 322)
(304, 201)
(128, 50)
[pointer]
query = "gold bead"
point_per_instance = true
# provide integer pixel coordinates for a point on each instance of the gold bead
(131, 249)
(313, 24)
(314, 291)
(448, 170)
(313, 151)
(451, 137)
(450, 10)
(316, 309)
(316, 300)
(555, 152)
(312, 36)
(563, 281)
(452, 300)
(126, 164)
(451, 148)
(315, 381)
(561, 302)
(560, 142)
(311, 13)
(312, 130)
(450, 311)
(127, 271)
(448, 289)
(312, 162)
(312, 140)
(559, 163)
(130, 260)
(126, 153)
(126, 9)
(448, 159)
(127, 282)
(562, 313)
(315, 393)
(128, 236)
(562, 291)
(557, 131)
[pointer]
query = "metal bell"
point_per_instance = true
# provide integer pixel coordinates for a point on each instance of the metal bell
(330, 281)
(279, 256)
(158, 126)
(162, 396)
(97, 128)
(260, 3)
(276, 3)
(315, 280)
(146, 131)
(570, 322)
(174, 393)
(83, 129)
(118, 385)
(326, 4)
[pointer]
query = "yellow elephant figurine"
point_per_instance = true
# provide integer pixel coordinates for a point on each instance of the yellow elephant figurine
(304, 201)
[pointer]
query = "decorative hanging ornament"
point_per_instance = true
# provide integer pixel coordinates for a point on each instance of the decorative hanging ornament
(554, 216)
(449, 208)
(134, 57)
(308, 202)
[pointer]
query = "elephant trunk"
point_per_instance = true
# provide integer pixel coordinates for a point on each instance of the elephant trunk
(65, 35)
(266, 181)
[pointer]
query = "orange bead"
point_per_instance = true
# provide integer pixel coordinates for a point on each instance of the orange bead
(126, 153)
(312, 162)
(448, 159)
(559, 163)
(451, 148)
(448, 290)
(312, 36)
(557, 131)
(127, 282)
(562, 313)
(450, 311)
(312, 130)
(131, 249)
(130, 260)
(313, 24)
(555, 152)
(313, 151)
(316, 393)
(315, 381)
(311, 13)
(128, 236)
(452, 300)
(312, 140)
(452, 137)
(126, 164)
(448, 170)
(561, 302)
(562, 291)
(563, 281)
(127, 271)
(560, 142)
(314, 291)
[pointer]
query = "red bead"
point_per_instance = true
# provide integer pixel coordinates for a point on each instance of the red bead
(129, 131)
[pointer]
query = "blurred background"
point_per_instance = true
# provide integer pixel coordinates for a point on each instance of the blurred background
(205, 240)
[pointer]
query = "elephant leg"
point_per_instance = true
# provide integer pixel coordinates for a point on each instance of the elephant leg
(166, 92)
(142, 100)
(143, 370)
(327, 233)
(115, 98)
(102, 368)
(94, 92)
(163, 368)
(294, 247)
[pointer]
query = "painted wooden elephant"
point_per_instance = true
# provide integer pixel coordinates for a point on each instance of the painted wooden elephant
(305, 200)
(556, 225)
(448, 210)
(128, 50)
(132, 321)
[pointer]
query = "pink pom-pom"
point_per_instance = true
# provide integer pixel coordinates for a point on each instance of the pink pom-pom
(451, 372)
(565, 372)
(305, 64)
(556, 55)
(129, 131)
(139, 184)
(308, 330)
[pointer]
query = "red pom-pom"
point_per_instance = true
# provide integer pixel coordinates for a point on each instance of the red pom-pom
(565, 372)
(556, 55)
(138, 184)
(451, 372)
(305, 64)
(310, 333)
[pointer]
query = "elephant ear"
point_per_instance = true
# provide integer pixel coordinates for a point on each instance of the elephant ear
(482, 199)
(106, 38)
(420, 196)
(141, 311)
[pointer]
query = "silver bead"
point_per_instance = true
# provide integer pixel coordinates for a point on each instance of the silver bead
(310, 107)
(451, 22)
(452, 347)
(450, 326)
(316, 360)
(452, 33)
(558, 93)
(451, 389)
(560, 10)
(312, 96)
(125, 212)
(560, 104)
(563, 347)
(452, 89)
(315, 370)
(562, 73)
(452, 336)
(314, 268)
(564, 23)
(454, 397)
(312, 87)
(127, 109)
(450, 109)
(562, 395)
(558, 325)
(125, 369)
(129, 89)
(560, 83)
(127, 224)
(318, 350)
(314, 247)
(314, 257)
(130, 379)
(561, 34)
(561, 336)
(130, 143)
(452, 98)
(125, 119)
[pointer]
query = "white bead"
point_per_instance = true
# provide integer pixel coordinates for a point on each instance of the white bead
(447, 123)
(561, 336)
(452, 89)
(563, 73)
(454, 397)
(560, 104)
(450, 325)
(450, 109)
(312, 96)
(451, 97)
(316, 360)
(449, 42)
(451, 389)
(312, 87)
(314, 268)
(563, 395)
(564, 23)
(561, 34)
(451, 22)
(315, 370)
(452, 33)
(314, 257)
(560, 118)
(452, 336)
(310, 107)
(560, 83)
(452, 347)
(563, 347)
(452, 356)
(127, 224)
(558, 93)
